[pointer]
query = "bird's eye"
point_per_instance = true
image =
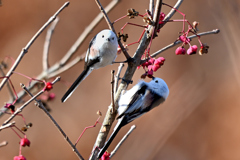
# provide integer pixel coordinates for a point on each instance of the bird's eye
(156, 81)
(102, 36)
(113, 38)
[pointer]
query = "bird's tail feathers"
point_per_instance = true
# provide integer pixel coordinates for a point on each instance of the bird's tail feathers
(113, 135)
(80, 78)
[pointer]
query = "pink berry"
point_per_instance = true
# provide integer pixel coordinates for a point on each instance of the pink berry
(25, 142)
(151, 61)
(180, 51)
(155, 67)
(105, 156)
(192, 50)
(20, 157)
(184, 39)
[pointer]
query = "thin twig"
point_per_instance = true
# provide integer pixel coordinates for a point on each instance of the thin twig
(25, 49)
(86, 32)
(40, 104)
(215, 31)
(112, 91)
(18, 110)
(4, 143)
(151, 6)
(117, 76)
(122, 140)
(110, 25)
(8, 85)
(171, 13)
(47, 44)
(65, 67)
(156, 18)
(7, 125)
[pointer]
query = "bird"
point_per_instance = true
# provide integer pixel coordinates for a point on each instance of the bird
(135, 102)
(102, 51)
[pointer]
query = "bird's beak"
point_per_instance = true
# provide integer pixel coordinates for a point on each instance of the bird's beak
(108, 39)
(153, 78)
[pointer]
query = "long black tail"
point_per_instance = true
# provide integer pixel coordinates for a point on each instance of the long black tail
(113, 135)
(81, 77)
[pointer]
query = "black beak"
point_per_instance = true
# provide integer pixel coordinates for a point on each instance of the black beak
(153, 78)
(108, 39)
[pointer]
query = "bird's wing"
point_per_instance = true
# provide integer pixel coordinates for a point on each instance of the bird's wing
(134, 100)
(91, 44)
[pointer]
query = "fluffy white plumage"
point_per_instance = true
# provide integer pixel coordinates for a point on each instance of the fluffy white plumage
(137, 101)
(102, 51)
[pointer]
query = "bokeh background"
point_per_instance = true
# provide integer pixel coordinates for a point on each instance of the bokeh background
(200, 119)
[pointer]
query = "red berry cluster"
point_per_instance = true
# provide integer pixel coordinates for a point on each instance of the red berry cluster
(192, 48)
(152, 65)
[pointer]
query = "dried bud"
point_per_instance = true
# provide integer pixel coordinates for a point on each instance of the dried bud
(131, 13)
(147, 20)
(195, 25)
(203, 49)
(99, 113)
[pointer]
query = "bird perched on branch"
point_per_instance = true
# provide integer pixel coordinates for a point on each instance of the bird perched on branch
(102, 51)
(135, 102)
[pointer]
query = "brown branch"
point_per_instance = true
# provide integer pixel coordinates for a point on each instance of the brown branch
(122, 140)
(112, 91)
(25, 49)
(215, 31)
(41, 106)
(7, 125)
(4, 143)
(117, 77)
(171, 13)
(18, 110)
(47, 44)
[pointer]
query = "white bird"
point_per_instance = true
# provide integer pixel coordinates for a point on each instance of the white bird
(102, 51)
(135, 102)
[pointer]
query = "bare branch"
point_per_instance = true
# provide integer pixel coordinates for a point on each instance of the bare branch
(65, 67)
(122, 140)
(8, 86)
(215, 31)
(7, 125)
(47, 44)
(26, 103)
(25, 49)
(4, 143)
(171, 13)
(151, 6)
(112, 91)
(40, 104)
(117, 76)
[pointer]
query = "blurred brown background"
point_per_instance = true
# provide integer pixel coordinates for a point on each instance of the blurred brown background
(200, 120)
